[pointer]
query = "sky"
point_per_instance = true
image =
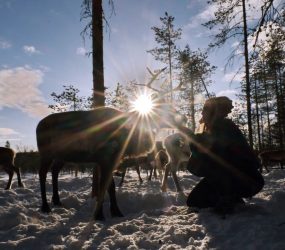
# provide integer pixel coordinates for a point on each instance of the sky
(41, 50)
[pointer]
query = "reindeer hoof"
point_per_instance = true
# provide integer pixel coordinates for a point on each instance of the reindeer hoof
(115, 212)
(99, 217)
(56, 202)
(21, 185)
(45, 209)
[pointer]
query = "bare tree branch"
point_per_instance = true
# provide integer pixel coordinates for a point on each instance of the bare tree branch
(262, 19)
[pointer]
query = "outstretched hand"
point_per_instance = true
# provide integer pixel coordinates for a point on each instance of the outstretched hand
(184, 130)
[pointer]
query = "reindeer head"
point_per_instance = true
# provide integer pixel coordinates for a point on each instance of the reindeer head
(166, 116)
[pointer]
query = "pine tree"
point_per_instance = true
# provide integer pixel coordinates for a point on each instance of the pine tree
(69, 100)
(120, 98)
(166, 36)
(195, 71)
(270, 66)
(7, 144)
(232, 23)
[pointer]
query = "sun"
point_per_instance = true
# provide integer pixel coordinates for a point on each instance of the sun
(143, 104)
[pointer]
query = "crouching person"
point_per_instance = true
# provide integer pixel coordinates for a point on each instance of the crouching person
(223, 157)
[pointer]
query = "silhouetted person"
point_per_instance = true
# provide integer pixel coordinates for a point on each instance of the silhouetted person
(223, 157)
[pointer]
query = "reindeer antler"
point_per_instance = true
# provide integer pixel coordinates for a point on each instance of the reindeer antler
(179, 87)
(154, 76)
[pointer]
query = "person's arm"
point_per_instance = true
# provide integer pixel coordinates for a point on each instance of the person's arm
(185, 131)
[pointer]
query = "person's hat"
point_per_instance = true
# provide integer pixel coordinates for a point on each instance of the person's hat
(222, 105)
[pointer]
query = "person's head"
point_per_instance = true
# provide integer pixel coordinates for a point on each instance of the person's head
(216, 108)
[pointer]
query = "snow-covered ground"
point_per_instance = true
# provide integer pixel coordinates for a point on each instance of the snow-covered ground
(153, 220)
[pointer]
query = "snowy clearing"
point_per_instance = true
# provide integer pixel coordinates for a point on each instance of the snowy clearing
(153, 220)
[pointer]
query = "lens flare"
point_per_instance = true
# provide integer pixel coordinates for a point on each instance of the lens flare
(143, 104)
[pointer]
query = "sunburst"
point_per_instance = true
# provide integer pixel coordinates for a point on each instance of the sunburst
(143, 104)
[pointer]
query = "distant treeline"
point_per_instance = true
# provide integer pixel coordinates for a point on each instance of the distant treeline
(29, 162)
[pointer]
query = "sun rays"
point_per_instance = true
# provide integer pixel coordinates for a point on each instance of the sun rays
(143, 104)
(137, 128)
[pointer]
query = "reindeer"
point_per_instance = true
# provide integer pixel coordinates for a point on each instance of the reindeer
(271, 156)
(7, 157)
(103, 136)
(128, 163)
(157, 158)
(178, 151)
(148, 162)
(161, 159)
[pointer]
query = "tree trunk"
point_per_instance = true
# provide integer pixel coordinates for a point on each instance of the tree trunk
(248, 101)
(170, 69)
(257, 114)
(262, 135)
(192, 106)
(97, 71)
(282, 104)
(97, 54)
(267, 110)
(280, 136)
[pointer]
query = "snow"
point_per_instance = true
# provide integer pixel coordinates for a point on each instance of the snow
(153, 220)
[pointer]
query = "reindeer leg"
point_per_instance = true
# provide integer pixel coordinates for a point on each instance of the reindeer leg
(115, 211)
(150, 174)
(95, 181)
(165, 176)
(154, 173)
(265, 166)
(122, 178)
(98, 213)
(152, 168)
(9, 170)
(56, 167)
(160, 174)
(104, 182)
(174, 176)
(45, 163)
(139, 174)
(17, 170)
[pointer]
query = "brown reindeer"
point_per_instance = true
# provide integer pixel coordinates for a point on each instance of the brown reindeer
(103, 136)
(7, 157)
(161, 159)
(158, 158)
(129, 163)
(151, 162)
(271, 156)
